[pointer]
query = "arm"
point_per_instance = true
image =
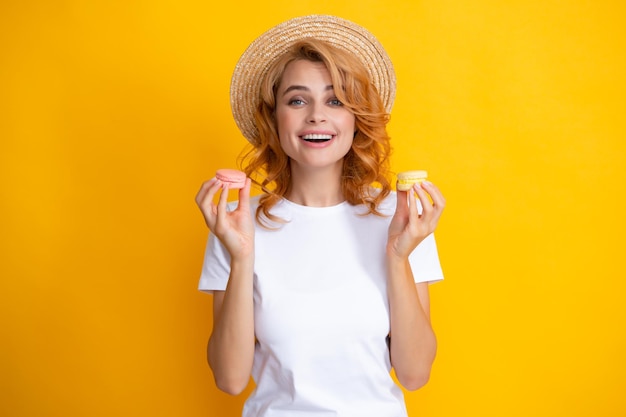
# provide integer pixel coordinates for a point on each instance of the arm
(413, 343)
(230, 350)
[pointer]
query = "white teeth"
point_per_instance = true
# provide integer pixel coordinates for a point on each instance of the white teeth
(317, 137)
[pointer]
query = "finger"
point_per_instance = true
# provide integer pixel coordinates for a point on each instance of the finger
(204, 200)
(205, 196)
(435, 194)
(204, 189)
(401, 204)
(424, 200)
(438, 202)
(244, 194)
(413, 210)
(221, 205)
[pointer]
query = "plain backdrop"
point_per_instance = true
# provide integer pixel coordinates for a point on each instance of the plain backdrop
(112, 113)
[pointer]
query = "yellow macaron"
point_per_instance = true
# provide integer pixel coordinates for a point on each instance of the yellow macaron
(406, 179)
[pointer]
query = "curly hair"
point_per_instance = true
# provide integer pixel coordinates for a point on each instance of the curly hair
(365, 176)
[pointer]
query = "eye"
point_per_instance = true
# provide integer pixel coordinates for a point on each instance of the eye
(335, 102)
(296, 102)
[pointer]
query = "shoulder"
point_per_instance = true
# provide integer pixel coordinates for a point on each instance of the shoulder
(388, 205)
(279, 210)
(254, 203)
(385, 208)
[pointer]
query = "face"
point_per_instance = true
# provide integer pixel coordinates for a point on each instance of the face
(314, 128)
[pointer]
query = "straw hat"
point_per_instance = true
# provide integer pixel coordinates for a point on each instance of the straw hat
(267, 48)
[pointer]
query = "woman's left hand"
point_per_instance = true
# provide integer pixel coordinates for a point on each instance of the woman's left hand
(408, 228)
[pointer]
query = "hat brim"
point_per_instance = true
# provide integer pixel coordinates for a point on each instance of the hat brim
(267, 48)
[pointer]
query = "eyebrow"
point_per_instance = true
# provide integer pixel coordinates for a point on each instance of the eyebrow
(304, 88)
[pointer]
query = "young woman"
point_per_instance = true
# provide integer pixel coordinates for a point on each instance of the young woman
(320, 284)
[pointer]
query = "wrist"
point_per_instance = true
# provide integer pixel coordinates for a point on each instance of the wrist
(242, 261)
(396, 261)
(393, 255)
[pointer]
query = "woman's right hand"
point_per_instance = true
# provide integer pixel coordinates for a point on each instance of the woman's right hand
(230, 349)
(234, 229)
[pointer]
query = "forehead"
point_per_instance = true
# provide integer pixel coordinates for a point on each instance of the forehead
(303, 72)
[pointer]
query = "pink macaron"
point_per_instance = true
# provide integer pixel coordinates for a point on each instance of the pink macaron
(234, 178)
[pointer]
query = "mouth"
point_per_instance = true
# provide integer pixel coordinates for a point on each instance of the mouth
(316, 138)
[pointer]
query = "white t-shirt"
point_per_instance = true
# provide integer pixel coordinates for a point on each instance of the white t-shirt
(321, 311)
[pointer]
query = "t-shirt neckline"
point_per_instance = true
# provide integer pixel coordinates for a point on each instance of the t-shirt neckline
(313, 209)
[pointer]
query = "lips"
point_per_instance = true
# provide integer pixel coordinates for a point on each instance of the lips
(317, 137)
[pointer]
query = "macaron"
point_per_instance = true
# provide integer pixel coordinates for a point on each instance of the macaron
(234, 178)
(406, 179)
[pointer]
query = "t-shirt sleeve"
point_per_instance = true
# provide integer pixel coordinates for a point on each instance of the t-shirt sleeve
(424, 261)
(216, 267)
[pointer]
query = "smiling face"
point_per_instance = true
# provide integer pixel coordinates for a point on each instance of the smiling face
(314, 128)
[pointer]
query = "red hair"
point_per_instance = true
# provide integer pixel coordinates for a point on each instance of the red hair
(365, 177)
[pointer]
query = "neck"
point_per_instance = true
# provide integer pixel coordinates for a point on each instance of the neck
(316, 188)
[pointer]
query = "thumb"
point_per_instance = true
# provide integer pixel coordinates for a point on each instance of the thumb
(402, 207)
(244, 194)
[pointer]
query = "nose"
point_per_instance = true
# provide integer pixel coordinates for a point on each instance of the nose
(317, 113)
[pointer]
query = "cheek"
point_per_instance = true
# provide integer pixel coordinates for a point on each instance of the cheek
(282, 123)
(349, 130)
(350, 122)
(282, 130)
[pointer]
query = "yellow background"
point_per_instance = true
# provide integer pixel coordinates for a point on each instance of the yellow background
(112, 113)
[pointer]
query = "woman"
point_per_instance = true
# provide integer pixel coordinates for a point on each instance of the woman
(320, 285)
